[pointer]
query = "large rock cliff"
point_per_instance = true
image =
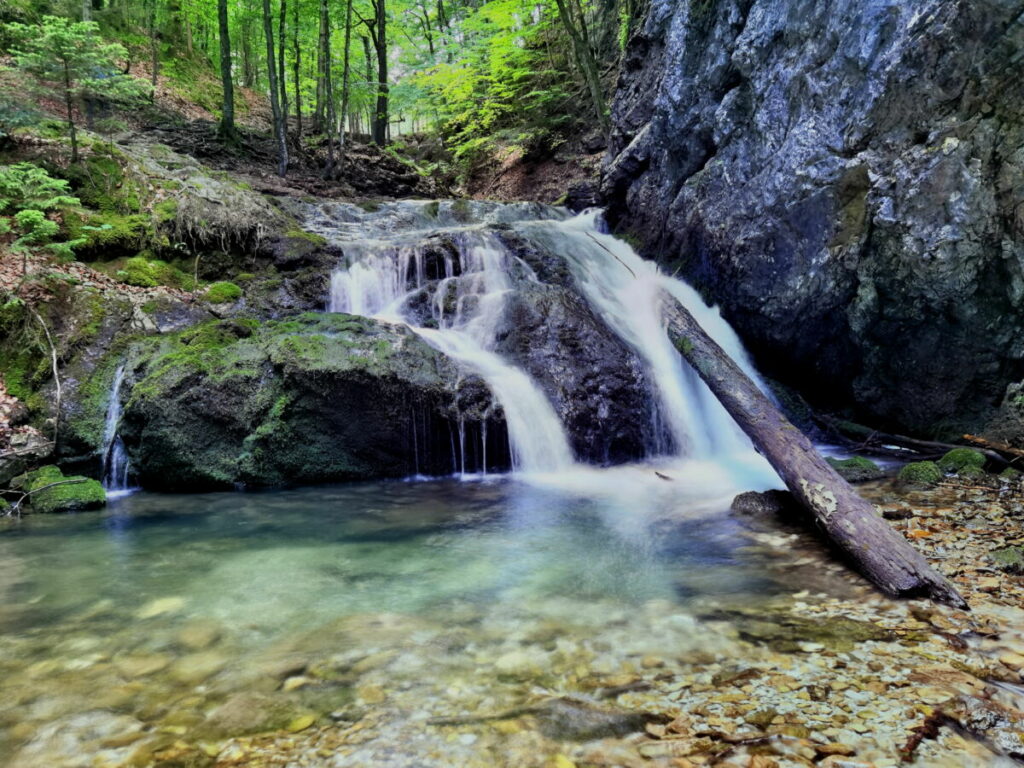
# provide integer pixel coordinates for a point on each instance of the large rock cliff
(846, 178)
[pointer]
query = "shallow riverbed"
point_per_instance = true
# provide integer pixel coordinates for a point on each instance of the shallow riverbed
(488, 621)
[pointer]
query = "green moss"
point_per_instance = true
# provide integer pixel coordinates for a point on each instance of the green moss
(1010, 559)
(855, 468)
(5, 507)
(960, 459)
(148, 273)
(921, 473)
(1010, 474)
(300, 234)
(684, 345)
(75, 494)
(100, 181)
(222, 293)
(110, 233)
(244, 277)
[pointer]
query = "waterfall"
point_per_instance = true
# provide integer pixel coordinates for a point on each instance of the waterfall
(625, 290)
(398, 269)
(115, 459)
(380, 277)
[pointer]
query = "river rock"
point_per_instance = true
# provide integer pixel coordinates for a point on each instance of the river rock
(844, 177)
(315, 398)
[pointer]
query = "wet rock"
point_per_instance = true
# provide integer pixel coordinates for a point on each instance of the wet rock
(246, 713)
(789, 632)
(1010, 559)
(199, 634)
(312, 399)
(856, 469)
(197, 667)
(572, 720)
(816, 214)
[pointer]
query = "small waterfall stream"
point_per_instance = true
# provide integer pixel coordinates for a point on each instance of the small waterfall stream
(399, 269)
(115, 458)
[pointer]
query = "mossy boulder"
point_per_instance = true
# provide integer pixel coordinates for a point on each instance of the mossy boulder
(223, 293)
(1010, 559)
(921, 474)
(315, 398)
(51, 491)
(856, 469)
(960, 459)
(146, 272)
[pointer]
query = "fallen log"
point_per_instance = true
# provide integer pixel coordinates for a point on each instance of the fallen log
(865, 438)
(847, 520)
(1015, 455)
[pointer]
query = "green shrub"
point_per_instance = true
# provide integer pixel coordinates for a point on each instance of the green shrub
(960, 459)
(921, 473)
(223, 292)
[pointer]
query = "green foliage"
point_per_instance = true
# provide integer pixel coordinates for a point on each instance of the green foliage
(223, 292)
(960, 459)
(27, 194)
(71, 60)
(921, 473)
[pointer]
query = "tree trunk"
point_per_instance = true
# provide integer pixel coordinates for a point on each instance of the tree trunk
(298, 68)
(584, 59)
(227, 118)
(346, 71)
(321, 65)
(70, 112)
(275, 106)
(282, 77)
(849, 522)
(380, 123)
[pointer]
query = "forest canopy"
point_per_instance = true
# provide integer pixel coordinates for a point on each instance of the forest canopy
(475, 74)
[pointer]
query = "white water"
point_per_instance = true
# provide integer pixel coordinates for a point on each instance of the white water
(115, 458)
(467, 309)
(386, 276)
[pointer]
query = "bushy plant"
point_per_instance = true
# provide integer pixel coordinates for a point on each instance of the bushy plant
(27, 194)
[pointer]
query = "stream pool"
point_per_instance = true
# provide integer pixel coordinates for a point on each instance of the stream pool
(147, 617)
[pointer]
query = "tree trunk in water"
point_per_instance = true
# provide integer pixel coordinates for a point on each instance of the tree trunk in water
(275, 106)
(849, 522)
(227, 118)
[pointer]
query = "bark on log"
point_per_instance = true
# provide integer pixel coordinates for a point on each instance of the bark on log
(849, 522)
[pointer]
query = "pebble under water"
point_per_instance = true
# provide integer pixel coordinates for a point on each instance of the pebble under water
(497, 621)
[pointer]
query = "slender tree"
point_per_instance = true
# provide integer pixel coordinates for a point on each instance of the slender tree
(275, 105)
(570, 13)
(227, 118)
(346, 70)
(297, 54)
(377, 27)
(282, 77)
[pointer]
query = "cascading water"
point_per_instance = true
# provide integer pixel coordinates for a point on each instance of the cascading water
(467, 304)
(399, 268)
(115, 458)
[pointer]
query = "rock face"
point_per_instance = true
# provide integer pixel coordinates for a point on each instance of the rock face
(315, 398)
(846, 178)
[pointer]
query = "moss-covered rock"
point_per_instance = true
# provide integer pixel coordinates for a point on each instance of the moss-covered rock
(1010, 474)
(222, 293)
(856, 468)
(920, 473)
(319, 397)
(960, 459)
(1010, 559)
(51, 491)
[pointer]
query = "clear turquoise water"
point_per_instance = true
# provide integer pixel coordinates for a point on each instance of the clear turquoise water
(80, 595)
